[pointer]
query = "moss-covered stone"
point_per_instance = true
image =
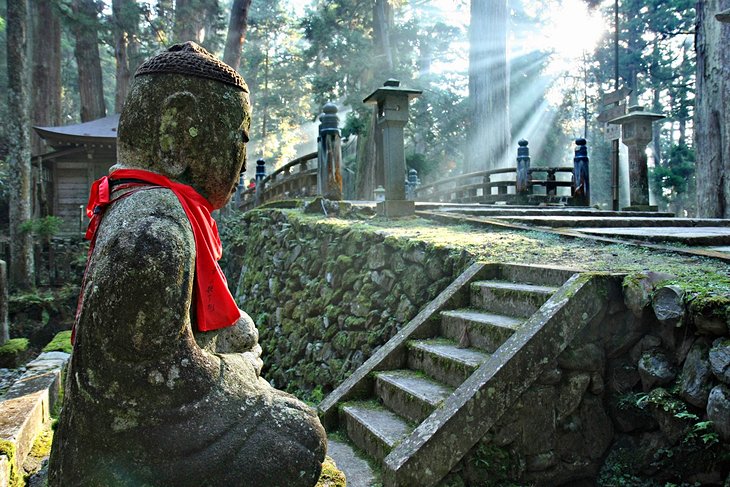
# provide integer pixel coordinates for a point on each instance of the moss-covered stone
(60, 343)
(13, 352)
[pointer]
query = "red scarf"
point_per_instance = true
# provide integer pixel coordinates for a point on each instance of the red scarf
(214, 305)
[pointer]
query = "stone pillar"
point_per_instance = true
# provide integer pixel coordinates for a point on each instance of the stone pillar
(392, 102)
(636, 133)
(581, 189)
(329, 156)
(260, 175)
(4, 330)
(522, 178)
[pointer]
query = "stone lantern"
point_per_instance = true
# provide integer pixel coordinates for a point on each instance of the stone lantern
(636, 133)
(392, 102)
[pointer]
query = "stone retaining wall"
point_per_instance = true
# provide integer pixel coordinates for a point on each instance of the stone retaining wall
(324, 297)
(635, 399)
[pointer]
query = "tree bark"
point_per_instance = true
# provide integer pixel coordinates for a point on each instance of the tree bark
(18, 132)
(382, 27)
(188, 22)
(489, 128)
(712, 120)
(46, 78)
(86, 51)
(236, 33)
(125, 21)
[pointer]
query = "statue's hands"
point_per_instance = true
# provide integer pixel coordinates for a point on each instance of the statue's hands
(254, 356)
(242, 337)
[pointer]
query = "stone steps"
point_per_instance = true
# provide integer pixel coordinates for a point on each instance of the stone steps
(417, 378)
(410, 394)
(373, 428)
(509, 298)
(485, 331)
(443, 360)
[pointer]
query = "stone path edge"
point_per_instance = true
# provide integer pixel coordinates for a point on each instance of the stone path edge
(443, 217)
(26, 407)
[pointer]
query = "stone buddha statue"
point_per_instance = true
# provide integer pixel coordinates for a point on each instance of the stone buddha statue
(163, 388)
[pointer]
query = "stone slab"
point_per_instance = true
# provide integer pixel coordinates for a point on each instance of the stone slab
(410, 394)
(705, 236)
(486, 331)
(373, 428)
(570, 221)
(357, 471)
(396, 208)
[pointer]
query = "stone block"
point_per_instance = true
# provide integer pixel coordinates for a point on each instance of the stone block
(571, 393)
(655, 369)
(396, 208)
(720, 360)
(718, 410)
(695, 379)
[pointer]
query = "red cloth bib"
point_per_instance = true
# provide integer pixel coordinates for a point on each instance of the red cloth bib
(214, 305)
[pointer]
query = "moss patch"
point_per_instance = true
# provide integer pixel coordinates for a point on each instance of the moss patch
(60, 343)
(14, 346)
(331, 475)
(7, 449)
(42, 444)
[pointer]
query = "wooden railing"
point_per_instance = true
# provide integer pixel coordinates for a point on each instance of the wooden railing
(492, 187)
(296, 179)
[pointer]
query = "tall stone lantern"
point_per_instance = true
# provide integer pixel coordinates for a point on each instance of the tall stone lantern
(392, 102)
(636, 133)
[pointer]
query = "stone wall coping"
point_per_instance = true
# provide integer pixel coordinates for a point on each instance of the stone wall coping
(25, 408)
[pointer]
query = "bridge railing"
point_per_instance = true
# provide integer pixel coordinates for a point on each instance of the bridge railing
(514, 184)
(295, 179)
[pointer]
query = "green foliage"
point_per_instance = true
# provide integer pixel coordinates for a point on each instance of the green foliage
(60, 343)
(14, 346)
(45, 227)
(675, 178)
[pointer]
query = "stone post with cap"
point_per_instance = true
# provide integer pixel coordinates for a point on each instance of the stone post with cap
(581, 187)
(392, 112)
(522, 179)
(260, 175)
(636, 133)
(329, 154)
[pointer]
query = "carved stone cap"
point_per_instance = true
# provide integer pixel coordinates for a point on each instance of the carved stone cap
(192, 60)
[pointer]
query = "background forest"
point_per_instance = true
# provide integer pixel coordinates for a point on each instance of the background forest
(297, 55)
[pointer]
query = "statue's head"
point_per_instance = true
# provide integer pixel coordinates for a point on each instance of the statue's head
(187, 116)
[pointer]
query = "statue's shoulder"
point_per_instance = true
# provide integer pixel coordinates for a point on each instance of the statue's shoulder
(148, 218)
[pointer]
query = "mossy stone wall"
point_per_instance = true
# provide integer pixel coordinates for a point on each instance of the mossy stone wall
(325, 297)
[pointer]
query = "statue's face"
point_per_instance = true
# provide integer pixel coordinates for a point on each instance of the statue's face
(192, 130)
(215, 173)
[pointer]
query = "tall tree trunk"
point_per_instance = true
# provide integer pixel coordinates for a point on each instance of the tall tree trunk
(125, 22)
(712, 119)
(46, 77)
(188, 22)
(18, 127)
(91, 88)
(236, 33)
(382, 27)
(489, 136)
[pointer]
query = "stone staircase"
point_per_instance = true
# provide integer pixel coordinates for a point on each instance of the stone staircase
(414, 406)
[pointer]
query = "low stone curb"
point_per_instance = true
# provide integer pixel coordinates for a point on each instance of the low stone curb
(26, 407)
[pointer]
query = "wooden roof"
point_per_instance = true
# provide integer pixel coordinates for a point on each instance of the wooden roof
(100, 131)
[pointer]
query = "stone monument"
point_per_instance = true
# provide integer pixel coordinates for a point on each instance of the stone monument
(150, 399)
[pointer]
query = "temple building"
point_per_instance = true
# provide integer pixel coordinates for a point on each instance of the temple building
(79, 154)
